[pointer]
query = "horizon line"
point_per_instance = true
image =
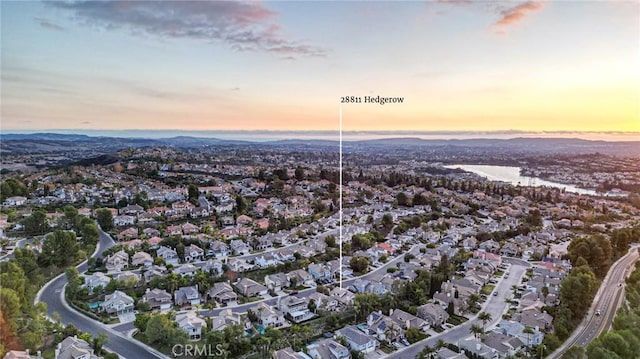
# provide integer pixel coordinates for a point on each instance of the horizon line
(327, 135)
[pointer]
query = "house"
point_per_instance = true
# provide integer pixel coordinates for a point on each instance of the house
(193, 253)
(243, 220)
(288, 353)
(225, 318)
(129, 277)
(239, 247)
(211, 266)
(534, 318)
(433, 314)
(297, 308)
(515, 329)
(185, 270)
(190, 323)
(277, 282)
(474, 348)
(407, 321)
(266, 260)
(132, 209)
(322, 301)
(328, 348)
(319, 272)
(74, 348)
(187, 296)
(169, 255)
(153, 272)
(344, 297)
(128, 233)
(357, 340)
(222, 293)
(190, 228)
(509, 249)
(268, 316)
(117, 261)
(95, 280)
(159, 300)
(250, 288)
(141, 259)
(173, 231)
(154, 242)
(120, 221)
(490, 246)
(301, 277)
(15, 201)
(118, 303)
(446, 353)
(219, 249)
(505, 345)
(383, 327)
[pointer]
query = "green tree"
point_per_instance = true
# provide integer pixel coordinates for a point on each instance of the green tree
(193, 193)
(484, 317)
(98, 342)
(105, 219)
(402, 199)
(12, 187)
(60, 248)
(90, 234)
(36, 223)
(359, 264)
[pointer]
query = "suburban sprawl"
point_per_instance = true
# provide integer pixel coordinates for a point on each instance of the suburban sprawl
(259, 251)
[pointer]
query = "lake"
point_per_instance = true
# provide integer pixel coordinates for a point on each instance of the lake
(512, 175)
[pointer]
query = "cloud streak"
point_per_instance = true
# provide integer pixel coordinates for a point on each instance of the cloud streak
(242, 26)
(516, 13)
(48, 24)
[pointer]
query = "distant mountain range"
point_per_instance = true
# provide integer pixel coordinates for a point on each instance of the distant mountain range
(56, 142)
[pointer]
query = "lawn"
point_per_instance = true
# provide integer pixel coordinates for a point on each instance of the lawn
(487, 289)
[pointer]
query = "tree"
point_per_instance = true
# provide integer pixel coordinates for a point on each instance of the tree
(299, 173)
(193, 193)
(484, 317)
(36, 223)
(12, 187)
(98, 342)
(413, 335)
(330, 240)
(403, 199)
(476, 330)
(366, 303)
(387, 221)
(241, 204)
(105, 219)
(359, 264)
(90, 234)
(60, 248)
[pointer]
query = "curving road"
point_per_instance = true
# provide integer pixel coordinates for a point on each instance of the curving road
(607, 301)
(52, 294)
(495, 305)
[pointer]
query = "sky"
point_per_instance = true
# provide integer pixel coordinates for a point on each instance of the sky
(461, 65)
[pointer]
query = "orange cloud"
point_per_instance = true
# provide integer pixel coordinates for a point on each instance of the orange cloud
(515, 14)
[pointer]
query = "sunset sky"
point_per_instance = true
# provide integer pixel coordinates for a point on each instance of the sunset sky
(460, 65)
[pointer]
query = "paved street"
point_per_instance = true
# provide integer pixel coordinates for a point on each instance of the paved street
(51, 295)
(607, 301)
(495, 305)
